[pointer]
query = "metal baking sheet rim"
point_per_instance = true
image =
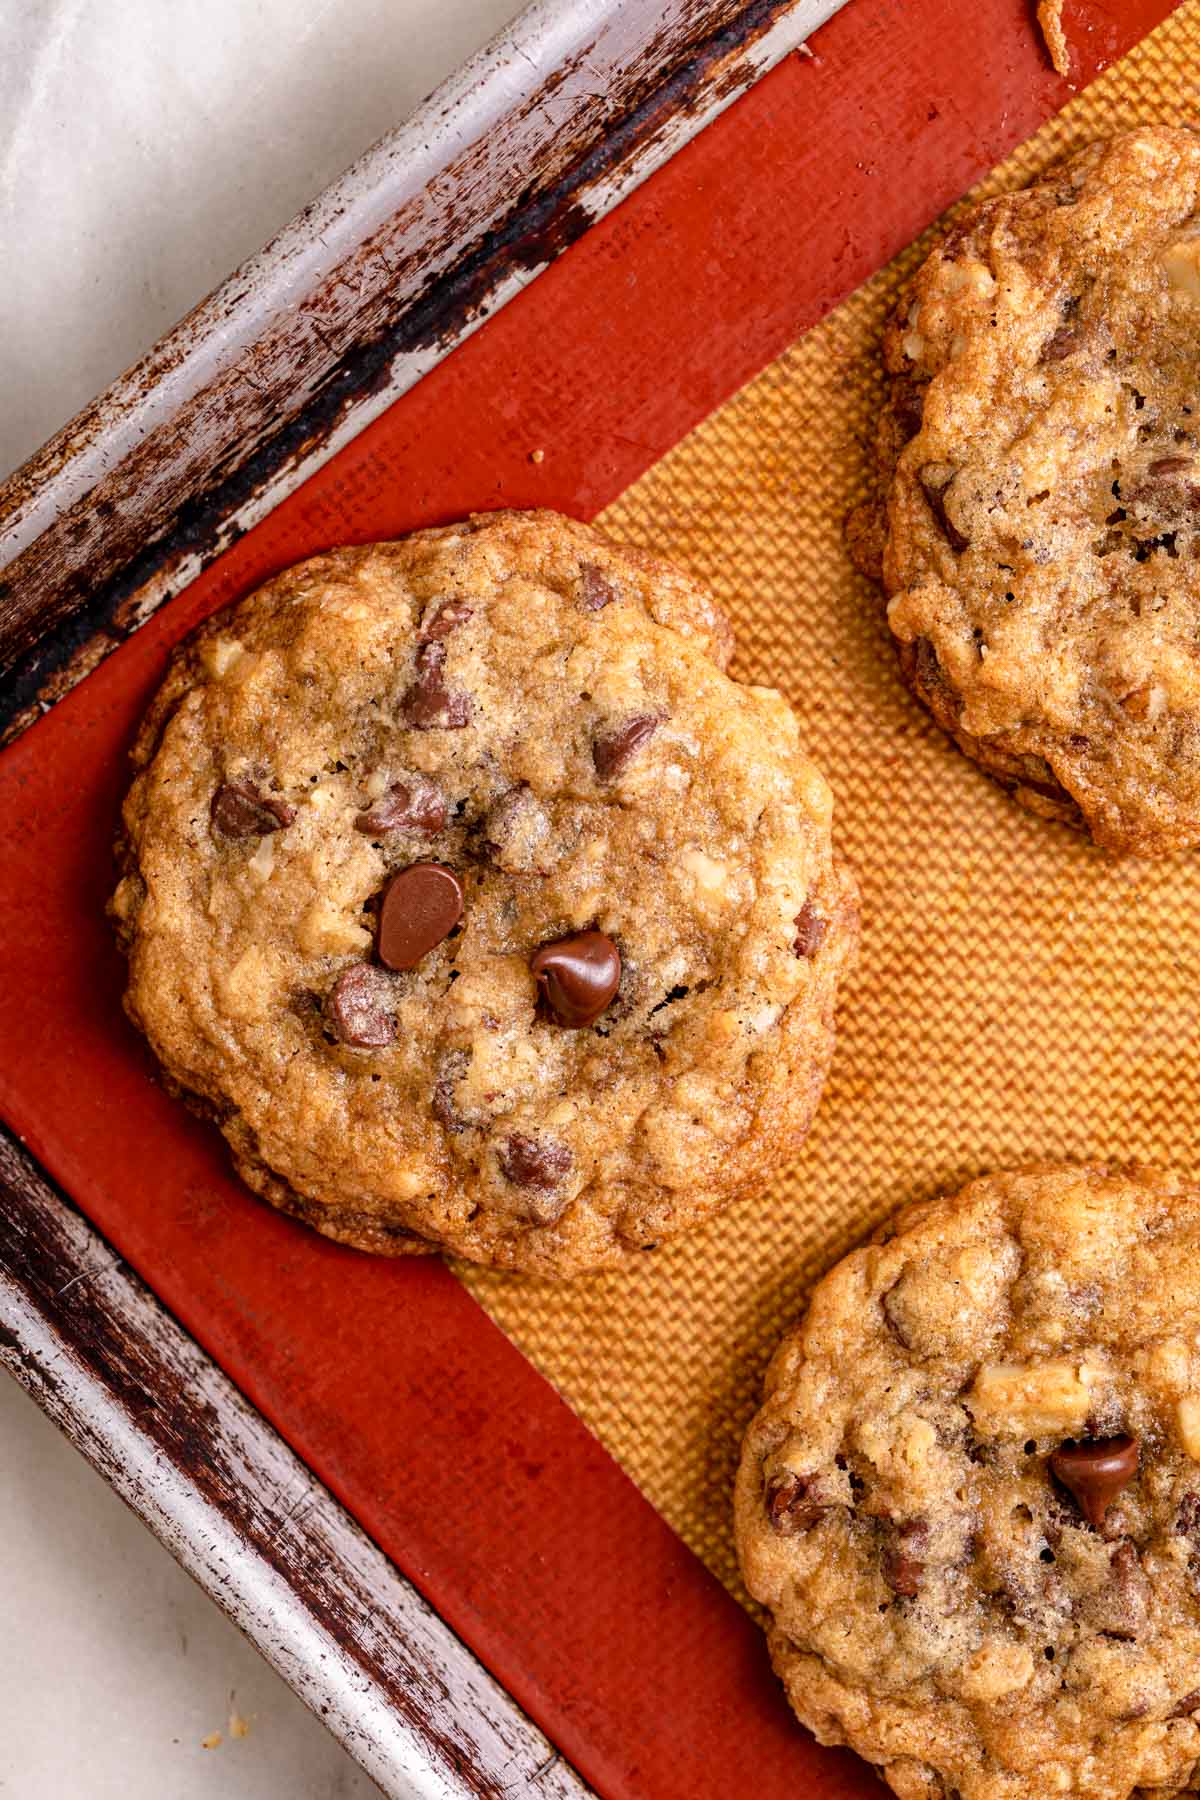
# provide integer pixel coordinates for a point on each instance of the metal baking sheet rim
(188, 450)
(418, 1711)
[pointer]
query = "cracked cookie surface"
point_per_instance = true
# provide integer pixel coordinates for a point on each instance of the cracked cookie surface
(971, 1500)
(1038, 531)
(477, 904)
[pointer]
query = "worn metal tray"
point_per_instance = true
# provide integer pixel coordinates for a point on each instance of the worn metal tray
(508, 1614)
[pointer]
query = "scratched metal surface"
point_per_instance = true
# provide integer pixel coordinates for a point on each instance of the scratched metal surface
(244, 1516)
(368, 289)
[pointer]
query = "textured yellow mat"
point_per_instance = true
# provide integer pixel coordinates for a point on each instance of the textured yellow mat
(1020, 994)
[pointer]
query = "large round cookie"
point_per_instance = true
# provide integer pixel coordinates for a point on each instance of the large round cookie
(533, 728)
(1041, 468)
(971, 1500)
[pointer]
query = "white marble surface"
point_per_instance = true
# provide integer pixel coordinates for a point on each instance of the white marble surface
(146, 147)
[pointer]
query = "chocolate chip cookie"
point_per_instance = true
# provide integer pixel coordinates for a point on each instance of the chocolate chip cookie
(971, 1500)
(477, 904)
(1040, 464)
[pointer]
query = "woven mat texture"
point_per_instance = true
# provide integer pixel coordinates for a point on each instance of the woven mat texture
(1020, 994)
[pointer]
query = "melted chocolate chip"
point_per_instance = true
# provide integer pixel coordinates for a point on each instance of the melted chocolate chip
(1123, 1611)
(1095, 1471)
(359, 1007)
(428, 704)
(1184, 1707)
(596, 591)
(1063, 342)
(810, 931)
(421, 906)
(908, 404)
(902, 1567)
(613, 750)
(445, 619)
(929, 680)
(791, 1506)
(241, 810)
(1187, 1520)
(935, 486)
(443, 1104)
(1168, 465)
(415, 804)
(578, 975)
(893, 1319)
(534, 1162)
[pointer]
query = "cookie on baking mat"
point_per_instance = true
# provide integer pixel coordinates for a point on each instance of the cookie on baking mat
(971, 1500)
(477, 904)
(1040, 456)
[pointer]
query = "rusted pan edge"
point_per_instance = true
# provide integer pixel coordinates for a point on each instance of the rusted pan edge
(244, 1516)
(368, 289)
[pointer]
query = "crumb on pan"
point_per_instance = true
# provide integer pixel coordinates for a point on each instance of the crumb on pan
(1049, 14)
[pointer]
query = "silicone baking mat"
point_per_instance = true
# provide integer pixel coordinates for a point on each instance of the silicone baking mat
(1019, 993)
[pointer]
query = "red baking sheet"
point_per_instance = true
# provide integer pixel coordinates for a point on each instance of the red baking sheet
(386, 1377)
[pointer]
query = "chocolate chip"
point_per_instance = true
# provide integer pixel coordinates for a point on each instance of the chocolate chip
(1064, 342)
(902, 1573)
(428, 705)
(1121, 1607)
(791, 1505)
(534, 1162)
(893, 1316)
(415, 804)
(902, 1569)
(421, 906)
(1169, 465)
(613, 750)
(444, 619)
(1182, 1708)
(443, 1104)
(241, 810)
(359, 1007)
(1095, 1471)
(810, 931)
(934, 485)
(578, 975)
(908, 404)
(1187, 1520)
(920, 661)
(596, 589)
